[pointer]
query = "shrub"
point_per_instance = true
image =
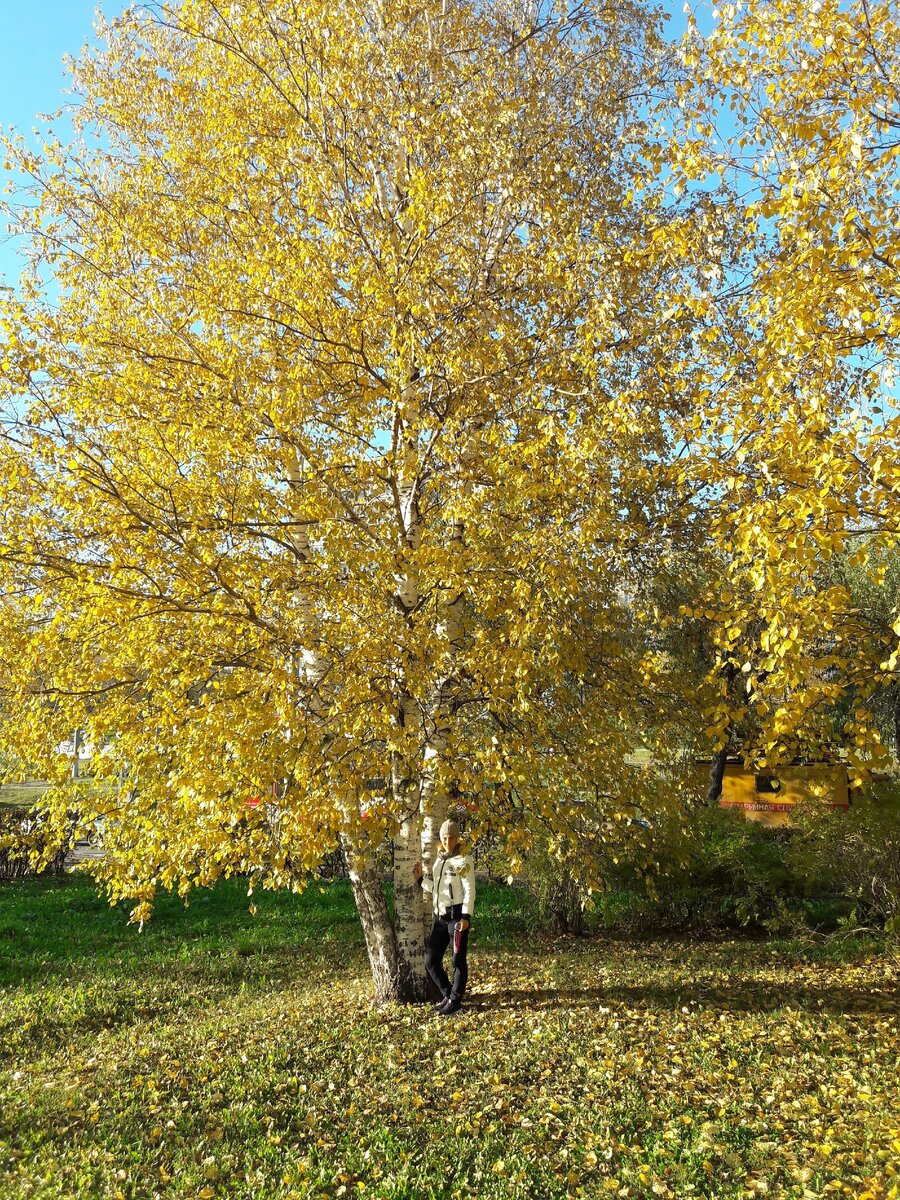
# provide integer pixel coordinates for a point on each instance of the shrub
(737, 872)
(853, 854)
(713, 869)
(559, 899)
(24, 843)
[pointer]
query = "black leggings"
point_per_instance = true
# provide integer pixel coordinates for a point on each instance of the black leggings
(439, 939)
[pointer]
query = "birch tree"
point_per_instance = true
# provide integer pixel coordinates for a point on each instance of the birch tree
(338, 469)
(787, 137)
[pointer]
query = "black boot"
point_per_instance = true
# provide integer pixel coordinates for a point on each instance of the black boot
(453, 1005)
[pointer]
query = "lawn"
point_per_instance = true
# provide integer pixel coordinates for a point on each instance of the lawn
(218, 1054)
(20, 795)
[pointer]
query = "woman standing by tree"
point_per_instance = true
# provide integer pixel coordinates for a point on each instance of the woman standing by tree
(452, 887)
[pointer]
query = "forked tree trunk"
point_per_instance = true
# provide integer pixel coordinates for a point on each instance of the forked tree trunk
(391, 974)
(396, 952)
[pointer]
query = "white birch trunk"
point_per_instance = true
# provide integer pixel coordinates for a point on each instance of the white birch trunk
(379, 933)
(408, 896)
(408, 909)
(434, 799)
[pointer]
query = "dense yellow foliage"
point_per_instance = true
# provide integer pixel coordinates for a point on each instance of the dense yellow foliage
(786, 137)
(396, 361)
(337, 468)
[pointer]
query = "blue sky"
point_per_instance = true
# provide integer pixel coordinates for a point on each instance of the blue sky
(34, 36)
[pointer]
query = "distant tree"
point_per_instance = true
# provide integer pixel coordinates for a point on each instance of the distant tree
(787, 135)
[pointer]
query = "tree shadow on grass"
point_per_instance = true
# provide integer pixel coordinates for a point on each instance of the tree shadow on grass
(834, 999)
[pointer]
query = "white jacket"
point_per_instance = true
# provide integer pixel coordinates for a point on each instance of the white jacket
(452, 882)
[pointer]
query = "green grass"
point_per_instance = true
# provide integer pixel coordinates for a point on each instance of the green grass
(24, 795)
(219, 1054)
(20, 795)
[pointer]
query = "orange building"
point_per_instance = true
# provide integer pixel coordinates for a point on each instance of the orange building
(768, 796)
